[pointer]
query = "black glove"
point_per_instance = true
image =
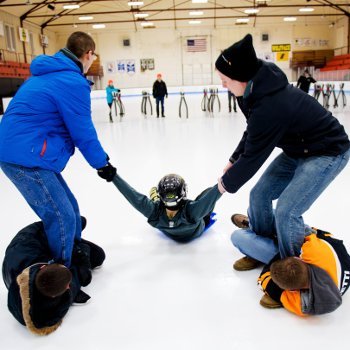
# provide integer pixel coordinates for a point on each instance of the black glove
(84, 275)
(81, 260)
(81, 298)
(107, 172)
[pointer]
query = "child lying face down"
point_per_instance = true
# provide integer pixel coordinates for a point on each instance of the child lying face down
(168, 208)
(312, 284)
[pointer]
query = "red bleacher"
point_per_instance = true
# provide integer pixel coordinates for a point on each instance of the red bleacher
(341, 62)
(14, 69)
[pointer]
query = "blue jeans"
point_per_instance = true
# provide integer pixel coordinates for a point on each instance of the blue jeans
(296, 183)
(257, 247)
(49, 196)
(161, 101)
(261, 248)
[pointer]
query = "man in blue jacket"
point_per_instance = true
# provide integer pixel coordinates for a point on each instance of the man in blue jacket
(315, 146)
(49, 116)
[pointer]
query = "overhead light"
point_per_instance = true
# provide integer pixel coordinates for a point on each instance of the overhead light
(141, 15)
(242, 20)
(51, 7)
(194, 22)
(289, 19)
(85, 18)
(306, 9)
(195, 13)
(71, 7)
(251, 11)
(135, 3)
(98, 26)
(147, 24)
(199, 1)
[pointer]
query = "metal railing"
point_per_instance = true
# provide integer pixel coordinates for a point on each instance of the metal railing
(11, 56)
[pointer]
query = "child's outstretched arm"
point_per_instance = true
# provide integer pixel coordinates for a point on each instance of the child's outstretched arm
(138, 200)
(204, 203)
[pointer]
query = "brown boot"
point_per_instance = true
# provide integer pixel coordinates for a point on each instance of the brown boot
(240, 220)
(269, 303)
(246, 263)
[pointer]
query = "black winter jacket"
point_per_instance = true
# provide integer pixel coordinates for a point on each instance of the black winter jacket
(280, 115)
(159, 89)
(24, 256)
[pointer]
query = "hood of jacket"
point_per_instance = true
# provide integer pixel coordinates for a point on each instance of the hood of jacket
(62, 61)
(25, 281)
(323, 296)
(267, 80)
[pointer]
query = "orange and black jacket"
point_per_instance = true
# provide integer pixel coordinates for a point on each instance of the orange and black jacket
(329, 268)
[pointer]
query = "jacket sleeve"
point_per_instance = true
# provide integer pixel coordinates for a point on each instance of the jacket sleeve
(204, 203)
(14, 302)
(139, 201)
(74, 104)
(264, 130)
(240, 148)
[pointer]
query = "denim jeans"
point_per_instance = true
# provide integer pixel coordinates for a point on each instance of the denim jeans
(161, 101)
(295, 183)
(261, 248)
(49, 196)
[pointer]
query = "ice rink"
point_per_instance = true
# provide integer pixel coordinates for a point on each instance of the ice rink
(153, 293)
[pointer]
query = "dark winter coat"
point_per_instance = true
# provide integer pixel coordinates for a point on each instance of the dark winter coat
(280, 115)
(304, 83)
(24, 256)
(159, 89)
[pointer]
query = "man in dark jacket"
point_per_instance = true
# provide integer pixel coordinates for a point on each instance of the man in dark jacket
(159, 91)
(315, 146)
(304, 81)
(36, 304)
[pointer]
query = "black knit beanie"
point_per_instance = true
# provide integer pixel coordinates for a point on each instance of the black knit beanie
(239, 61)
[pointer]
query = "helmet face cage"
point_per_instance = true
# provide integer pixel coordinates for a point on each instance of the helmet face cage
(172, 190)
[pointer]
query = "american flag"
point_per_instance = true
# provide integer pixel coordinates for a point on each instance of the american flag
(196, 45)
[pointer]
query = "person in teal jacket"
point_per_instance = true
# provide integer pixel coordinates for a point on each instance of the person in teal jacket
(48, 117)
(168, 208)
(109, 94)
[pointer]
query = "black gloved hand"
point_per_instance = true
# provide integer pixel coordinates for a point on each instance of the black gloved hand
(84, 275)
(81, 260)
(107, 172)
(81, 254)
(81, 297)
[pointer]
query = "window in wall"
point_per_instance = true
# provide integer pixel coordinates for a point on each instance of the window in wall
(10, 37)
(31, 43)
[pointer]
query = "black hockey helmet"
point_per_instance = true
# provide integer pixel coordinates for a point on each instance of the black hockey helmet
(172, 189)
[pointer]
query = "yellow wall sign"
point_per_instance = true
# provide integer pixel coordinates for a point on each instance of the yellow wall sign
(280, 47)
(282, 56)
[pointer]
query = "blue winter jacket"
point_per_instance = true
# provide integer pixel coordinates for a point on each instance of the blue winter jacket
(49, 116)
(109, 93)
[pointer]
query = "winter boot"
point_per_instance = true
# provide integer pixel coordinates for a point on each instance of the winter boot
(240, 220)
(269, 303)
(246, 263)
